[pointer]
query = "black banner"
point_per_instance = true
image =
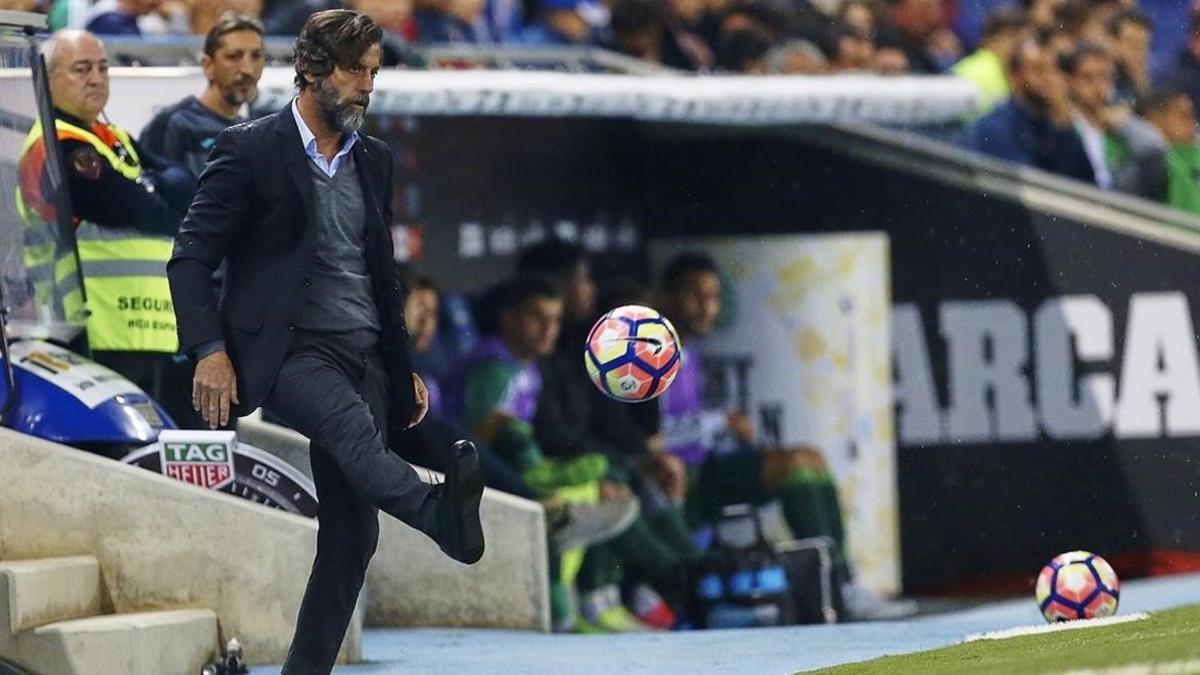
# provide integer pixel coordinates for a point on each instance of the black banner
(1047, 379)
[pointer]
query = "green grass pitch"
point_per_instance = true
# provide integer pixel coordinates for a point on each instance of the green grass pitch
(1166, 638)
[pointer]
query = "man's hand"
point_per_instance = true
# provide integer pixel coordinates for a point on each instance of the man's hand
(422, 396)
(214, 388)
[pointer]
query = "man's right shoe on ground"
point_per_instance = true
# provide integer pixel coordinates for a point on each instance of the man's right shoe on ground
(456, 510)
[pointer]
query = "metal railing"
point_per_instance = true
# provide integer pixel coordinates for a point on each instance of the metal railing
(186, 51)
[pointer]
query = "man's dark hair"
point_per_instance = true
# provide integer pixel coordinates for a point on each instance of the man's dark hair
(230, 22)
(526, 287)
(739, 49)
(1131, 15)
(635, 16)
(412, 280)
(625, 292)
(1041, 40)
(509, 295)
(684, 264)
(552, 258)
(1070, 62)
(422, 282)
(1073, 15)
(1003, 20)
(333, 38)
(831, 41)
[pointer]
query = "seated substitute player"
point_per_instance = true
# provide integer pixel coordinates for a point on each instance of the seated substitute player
(657, 549)
(798, 477)
(569, 525)
(496, 397)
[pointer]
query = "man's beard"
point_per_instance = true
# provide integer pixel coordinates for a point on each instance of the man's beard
(233, 95)
(339, 114)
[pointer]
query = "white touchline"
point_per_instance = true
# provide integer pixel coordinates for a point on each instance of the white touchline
(1189, 667)
(1055, 627)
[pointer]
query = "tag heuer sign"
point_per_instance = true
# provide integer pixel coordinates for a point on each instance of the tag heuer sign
(215, 460)
(209, 465)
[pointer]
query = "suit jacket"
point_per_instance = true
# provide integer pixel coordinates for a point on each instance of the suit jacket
(254, 208)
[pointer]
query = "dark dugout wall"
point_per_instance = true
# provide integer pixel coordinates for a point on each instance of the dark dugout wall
(1045, 357)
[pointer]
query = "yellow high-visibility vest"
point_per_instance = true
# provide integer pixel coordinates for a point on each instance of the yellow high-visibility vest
(124, 270)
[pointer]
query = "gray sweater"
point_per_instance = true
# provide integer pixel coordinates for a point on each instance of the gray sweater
(340, 297)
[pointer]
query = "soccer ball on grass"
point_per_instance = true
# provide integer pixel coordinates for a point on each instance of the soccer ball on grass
(1077, 585)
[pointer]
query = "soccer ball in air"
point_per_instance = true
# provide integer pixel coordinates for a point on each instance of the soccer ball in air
(1077, 585)
(632, 353)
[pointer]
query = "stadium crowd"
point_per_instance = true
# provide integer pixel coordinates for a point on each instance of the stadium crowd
(738, 36)
(1067, 87)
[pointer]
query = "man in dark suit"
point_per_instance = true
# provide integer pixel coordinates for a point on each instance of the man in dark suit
(311, 319)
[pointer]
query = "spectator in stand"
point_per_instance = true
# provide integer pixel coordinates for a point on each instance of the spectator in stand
(1184, 74)
(206, 13)
(568, 22)
(639, 28)
(796, 57)
(860, 16)
(1034, 127)
(450, 22)
(1085, 21)
(1174, 116)
(744, 51)
(719, 449)
(504, 20)
(232, 64)
(917, 28)
(1125, 152)
(683, 46)
(287, 17)
(1042, 13)
(392, 16)
(1059, 41)
(138, 17)
(852, 50)
(1004, 29)
(1130, 32)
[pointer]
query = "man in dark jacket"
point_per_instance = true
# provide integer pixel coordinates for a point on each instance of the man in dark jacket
(312, 319)
(233, 60)
(1034, 127)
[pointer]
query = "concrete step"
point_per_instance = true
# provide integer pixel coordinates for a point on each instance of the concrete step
(176, 642)
(37, 592)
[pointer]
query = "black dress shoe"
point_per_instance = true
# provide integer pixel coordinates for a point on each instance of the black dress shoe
(460, 534)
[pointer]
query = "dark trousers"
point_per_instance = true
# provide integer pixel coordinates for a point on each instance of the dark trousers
(333, 388)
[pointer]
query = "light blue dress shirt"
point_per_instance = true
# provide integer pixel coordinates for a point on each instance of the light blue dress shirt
(310, 144)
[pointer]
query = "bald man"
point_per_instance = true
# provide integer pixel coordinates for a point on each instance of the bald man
(126, 208)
